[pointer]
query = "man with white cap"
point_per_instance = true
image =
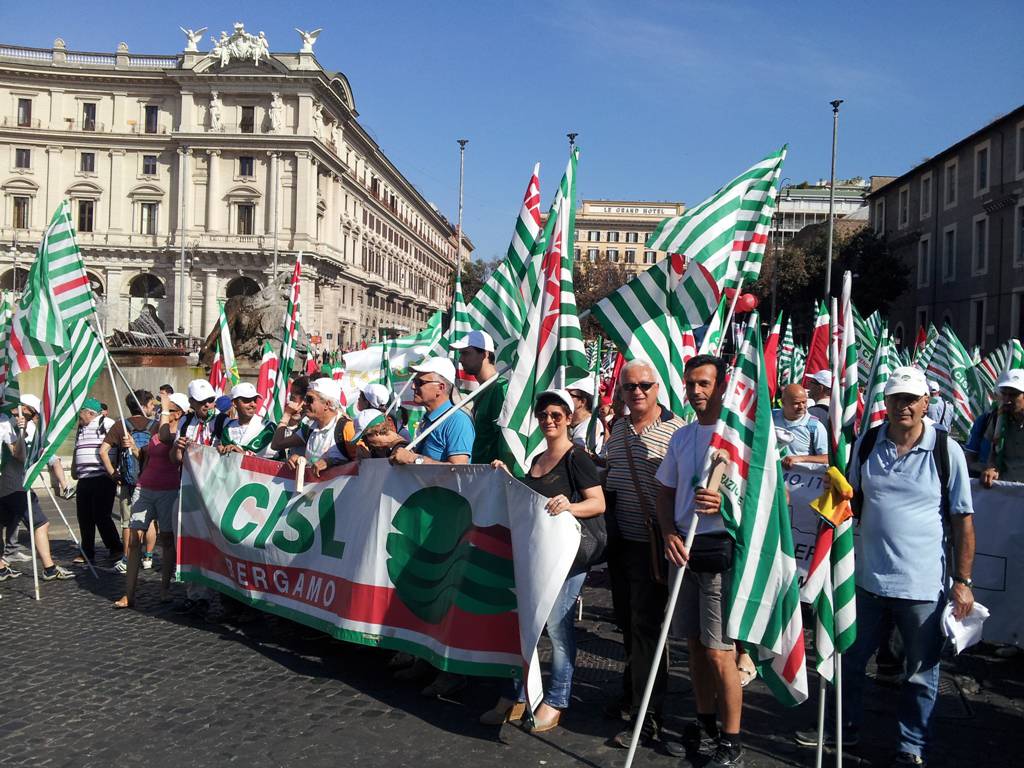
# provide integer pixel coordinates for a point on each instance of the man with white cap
(940, 410)
(16, 435)
(452, 441)
(476, 353)
(322, 442)
(1006, 432)
(196, 426)
(246, 433)
(911, 486)
(819, 389)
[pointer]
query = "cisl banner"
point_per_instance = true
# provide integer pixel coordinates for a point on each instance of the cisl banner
(456, 565)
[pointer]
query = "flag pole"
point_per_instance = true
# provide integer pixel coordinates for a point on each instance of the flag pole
(110, 368)
(838, 659)
(831, 198)
(32, 530)
(127, 385)
(73, 537)
(462, 167)
(822, 696)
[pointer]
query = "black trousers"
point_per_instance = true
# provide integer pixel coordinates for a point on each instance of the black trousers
(95, 497)
(639, 604)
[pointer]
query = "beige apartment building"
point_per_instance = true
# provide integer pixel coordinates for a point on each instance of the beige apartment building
(616, 230)
(190, 174)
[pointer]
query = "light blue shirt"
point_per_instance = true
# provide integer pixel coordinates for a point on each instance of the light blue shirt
(452, 438)
(809, 435)
(900, 552)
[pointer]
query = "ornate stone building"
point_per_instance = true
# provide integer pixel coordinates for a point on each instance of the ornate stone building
(190, 175)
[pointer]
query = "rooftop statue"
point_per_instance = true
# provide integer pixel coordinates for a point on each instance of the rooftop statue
(308, 38)
(240, 46)
(192, 36)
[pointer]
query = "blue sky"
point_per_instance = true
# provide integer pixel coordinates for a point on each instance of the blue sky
(670, 99)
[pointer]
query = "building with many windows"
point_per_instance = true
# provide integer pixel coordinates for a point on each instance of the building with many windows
(802, 205)
(957, 220)
(616, 230)
(191, 175)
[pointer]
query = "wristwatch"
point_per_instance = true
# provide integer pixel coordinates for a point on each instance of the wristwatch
(969, 583)
(419, 460)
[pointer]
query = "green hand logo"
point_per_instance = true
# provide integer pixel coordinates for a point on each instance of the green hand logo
(434, 566)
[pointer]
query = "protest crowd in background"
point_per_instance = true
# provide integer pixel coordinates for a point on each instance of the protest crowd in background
(667, 442)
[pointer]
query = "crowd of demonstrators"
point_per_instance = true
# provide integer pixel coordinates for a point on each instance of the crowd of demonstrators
(567, 476)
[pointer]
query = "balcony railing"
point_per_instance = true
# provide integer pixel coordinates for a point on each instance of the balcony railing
(88, 58)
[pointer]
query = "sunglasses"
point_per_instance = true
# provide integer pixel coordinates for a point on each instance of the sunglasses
(208, 401)
(643, 386)
(308, 400)
(420, 383)
(553, 416)
(247, 399)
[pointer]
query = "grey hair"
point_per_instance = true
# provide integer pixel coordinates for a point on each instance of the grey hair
(640, 362)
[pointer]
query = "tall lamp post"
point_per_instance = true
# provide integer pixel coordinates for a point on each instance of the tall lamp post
(831, 199)
(572, 140)
(462, 167)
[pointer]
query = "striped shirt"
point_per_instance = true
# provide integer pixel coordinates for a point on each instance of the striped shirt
(87, 447)
(649, 448)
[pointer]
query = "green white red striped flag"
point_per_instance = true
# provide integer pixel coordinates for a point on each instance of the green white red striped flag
(267, 374)
(923, 354)
(550, 353)
(948, 365)
(771, 357)
(498, 306)
(651, 314)
(56, 296)
(787, 355)
(817, 352)
(727, 232)
(10, 392)
(867, 340)
(67, 384)
(224, 371)
(882, 364)
(764, 599)
(274, 405)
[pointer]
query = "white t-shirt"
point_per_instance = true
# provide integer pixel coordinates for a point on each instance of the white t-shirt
(681, 469)
(321, 444)
(579, 435)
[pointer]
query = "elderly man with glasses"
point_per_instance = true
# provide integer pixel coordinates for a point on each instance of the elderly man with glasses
(635, 449)
(322, 441)
(452, 441)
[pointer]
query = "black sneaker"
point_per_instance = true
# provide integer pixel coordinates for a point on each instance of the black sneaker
(908, 759)
(650, 733)
(695, 741)
(8, 573)
(726, 756)
(851, 737)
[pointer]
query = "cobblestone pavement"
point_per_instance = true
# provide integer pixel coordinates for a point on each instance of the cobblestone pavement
(89, 686)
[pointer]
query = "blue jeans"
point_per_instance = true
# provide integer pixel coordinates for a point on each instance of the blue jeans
(561, 627)
(919, 624)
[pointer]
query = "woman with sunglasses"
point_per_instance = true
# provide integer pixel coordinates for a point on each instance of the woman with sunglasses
(568, 478)
(156, 498)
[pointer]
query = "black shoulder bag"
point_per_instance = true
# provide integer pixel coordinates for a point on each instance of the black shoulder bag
(593, 548)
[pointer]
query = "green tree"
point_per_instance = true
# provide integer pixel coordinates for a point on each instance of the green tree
(593, 281)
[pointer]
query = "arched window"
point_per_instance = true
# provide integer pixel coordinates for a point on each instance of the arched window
(96, 284)
(8, 281)
(242, 286)
(146, 286)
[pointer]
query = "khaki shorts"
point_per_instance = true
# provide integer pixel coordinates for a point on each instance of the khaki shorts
(148, 506)
(700, 610)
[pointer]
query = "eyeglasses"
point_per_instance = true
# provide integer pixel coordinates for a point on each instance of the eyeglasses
(643, 386)
(420, 383)
(308, 400)
(577, 394)
(208, 401)
(248, 399)
(552, 416)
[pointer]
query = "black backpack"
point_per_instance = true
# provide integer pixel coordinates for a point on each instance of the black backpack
(940, 455)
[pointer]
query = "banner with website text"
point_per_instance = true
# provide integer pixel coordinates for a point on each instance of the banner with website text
(999, 546)
(457, 565)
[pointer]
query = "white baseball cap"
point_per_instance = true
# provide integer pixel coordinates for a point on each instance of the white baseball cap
(561, 394)
(201, 389)
(442, 366)
(1012, 379)
(906, 380)
(822, 377)
(583, 385)
(180, 400)
(32, 402)
(377, 395)
(243, 389)
(933, 386)
(479, 339)
(364, 420)
(328, 389)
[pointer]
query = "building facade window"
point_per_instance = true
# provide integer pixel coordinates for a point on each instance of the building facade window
(148, 218)
(245, 219)
(878, 225)
(1018, 235)
(1020, 149)
(86, 215)
(88, 116)
(246, 166)
(978, 307)
(24, 113)
(982, 154)
(979, 245)
(924, 262)
(632, 237)
(149, 165)
(949, 254)
(248, 122)
(592, 254)
(949, 183)
(87, 162)
(152, 121)
(613, 237)
(630, 256)
(20, 217)
(593, 237)
(926, 196)
(613, 254)
(650, 257)
(22, 158)
(903, 220)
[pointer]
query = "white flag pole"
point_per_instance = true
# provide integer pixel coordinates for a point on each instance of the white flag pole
(838, 657)
(73, 537)
(32, 538)
(822, 696)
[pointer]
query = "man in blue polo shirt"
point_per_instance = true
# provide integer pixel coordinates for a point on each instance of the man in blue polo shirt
(901, 562)
(803, 436)
(452, 441)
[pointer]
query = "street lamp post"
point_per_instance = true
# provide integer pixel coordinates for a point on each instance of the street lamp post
(572, 140)
(831, 199)
(462, 167)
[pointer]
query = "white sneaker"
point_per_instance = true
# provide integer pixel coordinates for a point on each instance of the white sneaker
(121, 566)
(147, 563)
(18, 556)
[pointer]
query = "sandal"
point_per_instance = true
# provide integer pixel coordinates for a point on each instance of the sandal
(746, 673)
(78, 560)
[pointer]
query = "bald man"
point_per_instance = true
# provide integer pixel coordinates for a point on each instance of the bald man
(804, 438)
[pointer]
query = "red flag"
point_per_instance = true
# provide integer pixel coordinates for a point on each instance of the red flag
(267, 375)
(817, 354)
(922, 337)
(771, 357)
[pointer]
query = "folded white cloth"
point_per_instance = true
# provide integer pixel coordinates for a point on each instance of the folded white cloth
(963, 634)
